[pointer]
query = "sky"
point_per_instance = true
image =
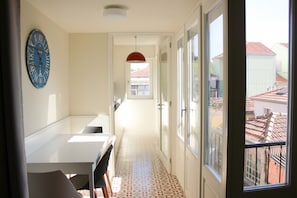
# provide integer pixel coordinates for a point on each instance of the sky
(216, 37)
(267, 21)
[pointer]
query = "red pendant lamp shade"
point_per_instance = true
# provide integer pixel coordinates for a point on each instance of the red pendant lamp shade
(135, 57)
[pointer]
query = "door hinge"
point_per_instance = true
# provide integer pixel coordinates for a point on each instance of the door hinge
(169, 44)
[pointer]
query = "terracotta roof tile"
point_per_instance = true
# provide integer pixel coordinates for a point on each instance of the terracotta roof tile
(280, 79)
(277, 95)
(284, 44)
(142, 73)
(277, 130)
(249, 105)
(257, 48)
(255, 130)
(253, 48)
(270, 128)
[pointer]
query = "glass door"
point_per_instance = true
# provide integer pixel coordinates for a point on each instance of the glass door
(214, 108)
(164, 101)
(188, 144)
(192, 104)
(182, 84)
(193, 88)
(180, 146)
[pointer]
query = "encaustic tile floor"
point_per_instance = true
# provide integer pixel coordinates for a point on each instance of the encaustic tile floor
(139, 171)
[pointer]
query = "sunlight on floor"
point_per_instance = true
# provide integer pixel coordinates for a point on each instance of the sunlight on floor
(116, 184)
(116, 187)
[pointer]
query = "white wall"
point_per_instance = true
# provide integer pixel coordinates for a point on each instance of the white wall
(44, 106)
(138, 116)
(261, 74)
(281, 57)
(78, 83)
(275, 107)
(89, 74)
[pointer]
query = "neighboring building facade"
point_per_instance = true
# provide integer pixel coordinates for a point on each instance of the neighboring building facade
(273, 101)
(261, 69)
(281, 50)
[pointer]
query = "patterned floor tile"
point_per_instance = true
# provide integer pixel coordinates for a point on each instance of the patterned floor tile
(139, 171)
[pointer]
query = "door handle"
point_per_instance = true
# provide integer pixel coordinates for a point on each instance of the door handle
(182, 111)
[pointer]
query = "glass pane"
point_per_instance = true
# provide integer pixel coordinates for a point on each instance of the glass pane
(215, 89)
(267, 25)
(140, 80)
(194, 89)
(181, 83)
(164, 106)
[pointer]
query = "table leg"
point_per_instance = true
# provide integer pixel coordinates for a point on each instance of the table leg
(91, 185)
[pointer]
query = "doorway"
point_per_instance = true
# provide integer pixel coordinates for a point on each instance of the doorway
(138, 109)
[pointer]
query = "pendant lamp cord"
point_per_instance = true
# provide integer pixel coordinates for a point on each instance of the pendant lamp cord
(135, 43)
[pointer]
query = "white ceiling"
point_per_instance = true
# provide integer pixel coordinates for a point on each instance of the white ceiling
(143, 16)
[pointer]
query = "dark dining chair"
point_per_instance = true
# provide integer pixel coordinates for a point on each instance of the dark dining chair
(52, 184)
(93, 129)
(81, 182)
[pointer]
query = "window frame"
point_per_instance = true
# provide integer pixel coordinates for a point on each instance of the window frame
(180, 53)
(193, 103)
(216, 166)
(128, 85)
(236, 106)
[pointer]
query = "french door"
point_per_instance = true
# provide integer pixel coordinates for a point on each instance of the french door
(164, 103)
(189, 104)
(193, 105)
(213, 180)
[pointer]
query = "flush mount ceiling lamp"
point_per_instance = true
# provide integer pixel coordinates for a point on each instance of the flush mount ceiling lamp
(115, 11)
(135, 57)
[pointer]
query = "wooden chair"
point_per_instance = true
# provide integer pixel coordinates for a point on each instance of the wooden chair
(51, 185)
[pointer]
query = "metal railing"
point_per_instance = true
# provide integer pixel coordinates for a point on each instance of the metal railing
(265, 163)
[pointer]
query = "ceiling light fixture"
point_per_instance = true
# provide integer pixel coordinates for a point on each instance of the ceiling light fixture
(135, 57)
(115, 11)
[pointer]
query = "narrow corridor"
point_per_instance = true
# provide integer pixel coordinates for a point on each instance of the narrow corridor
(139, 171)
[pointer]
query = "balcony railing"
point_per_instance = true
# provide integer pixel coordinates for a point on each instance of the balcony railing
(265, 163)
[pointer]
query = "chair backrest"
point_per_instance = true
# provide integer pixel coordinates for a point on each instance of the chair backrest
(93, 129)
(51, 185)
(103, 163)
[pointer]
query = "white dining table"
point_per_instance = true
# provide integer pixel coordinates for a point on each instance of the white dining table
(70, 153)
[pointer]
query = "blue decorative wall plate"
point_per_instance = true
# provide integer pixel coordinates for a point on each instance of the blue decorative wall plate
(37, 58)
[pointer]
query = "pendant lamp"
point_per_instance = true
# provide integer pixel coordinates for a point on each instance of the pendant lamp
(135, 57)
